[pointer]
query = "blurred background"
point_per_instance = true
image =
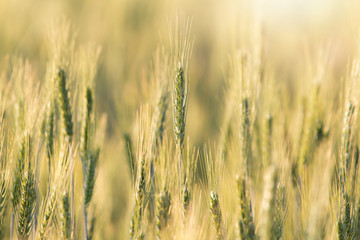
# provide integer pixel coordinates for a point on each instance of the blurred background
(130, 31)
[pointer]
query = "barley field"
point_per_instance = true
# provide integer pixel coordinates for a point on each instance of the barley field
(208, 120)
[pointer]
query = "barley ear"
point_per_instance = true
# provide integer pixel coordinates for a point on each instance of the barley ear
(186, 197)
(163, 211)
(49, 130)
(215, 211)
(85, 136)
(345, 220)
(65, 216)
(246, 134)
(179, 117)
(246, 224)
(4, 188)
(49, 210)
(19, 169)
(179, 107)
(27, 205)
(181, 51)
(64, 104)
(137, 215)
(49, 137)
(90, 177)
(279, 214)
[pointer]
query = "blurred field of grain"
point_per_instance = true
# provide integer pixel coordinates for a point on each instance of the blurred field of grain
(130, 31)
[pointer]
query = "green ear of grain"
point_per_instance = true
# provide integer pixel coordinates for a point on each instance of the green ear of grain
(138, 211)
(215, 211)
(186, 197)
(65, 216)
(64, 102)
(163, 211)
(246, 134)
(246, 224)
(49, 131)
(3, 201)
(179, 107)
(279, 214)
(90, 177)
(20, 166)
(345, 221)
(27, 205)
(49, 137)
(85, 136)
